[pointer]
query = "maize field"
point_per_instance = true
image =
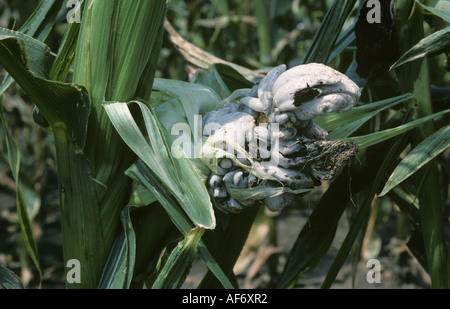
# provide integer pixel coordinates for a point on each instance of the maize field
(168, 144)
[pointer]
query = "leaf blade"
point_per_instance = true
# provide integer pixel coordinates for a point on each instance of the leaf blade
(423, 153)
(156, 154)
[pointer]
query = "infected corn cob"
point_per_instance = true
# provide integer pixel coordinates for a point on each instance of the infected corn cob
(268, 140)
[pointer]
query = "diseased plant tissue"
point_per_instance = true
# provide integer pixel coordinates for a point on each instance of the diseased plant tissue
(266, 148)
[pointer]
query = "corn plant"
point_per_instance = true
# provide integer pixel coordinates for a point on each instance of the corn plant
(150, 174)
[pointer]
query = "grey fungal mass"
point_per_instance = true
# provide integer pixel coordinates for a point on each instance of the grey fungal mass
(265, 147)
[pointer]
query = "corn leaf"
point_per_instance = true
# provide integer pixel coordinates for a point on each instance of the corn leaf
(141, 173)
(41, 22)
(344, 124)
(415, 77)
(435, 42)
(191, 195)
(180, 261)
(66, 107)
(324, 40)
(418, 157)
(63, 105)
(118, 271)
(363, 212)
(66, 54)
(233, 78)
(344, 40)
(440, 8)
(213, 80)
(24, 218)
(9, 280)
(228, 243)
(38, 56)
(315, 237)
(194, 99)
(377, 137)
(120, 266)
(38, 25)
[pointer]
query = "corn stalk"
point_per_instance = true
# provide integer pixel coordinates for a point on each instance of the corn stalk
(115, 59)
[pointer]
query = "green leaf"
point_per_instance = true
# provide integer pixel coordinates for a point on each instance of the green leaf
(228, 244)
(315, 237)
(440, 8)
(115, 35)
(41, 22)
(324, 40)
(38, 25)
(435, 42)
(377, 137)
(192, 195)
(178, 265)
(344, 124)
(141, 173)
(119, 268)
(363, 212)
(9, 280)
(24, 218)
(141, 197)
(193, 99)
(212, 79)
(37, 56)
(65, 106)
(344, 40)
(234, 78)
(66, 54)
(418, 157)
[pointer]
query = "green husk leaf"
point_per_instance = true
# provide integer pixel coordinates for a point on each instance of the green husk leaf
(194, 99)
(213, 80)
(260, 193)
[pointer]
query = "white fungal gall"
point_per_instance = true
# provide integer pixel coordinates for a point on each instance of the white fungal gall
(278, 202)
(266, 141)
(314, 89)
